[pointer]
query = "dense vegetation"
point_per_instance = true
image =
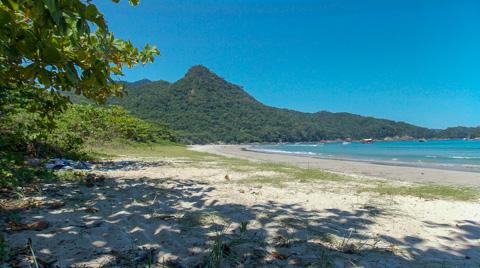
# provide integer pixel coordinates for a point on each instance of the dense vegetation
(459, 132)
(29, 135)
(204, 108)
(79, 126)
(94, 124)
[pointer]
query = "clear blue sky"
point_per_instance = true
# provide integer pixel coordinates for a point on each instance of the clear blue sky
(416, 61)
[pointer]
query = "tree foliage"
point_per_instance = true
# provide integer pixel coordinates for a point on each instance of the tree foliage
(50, 46)
(71, 134)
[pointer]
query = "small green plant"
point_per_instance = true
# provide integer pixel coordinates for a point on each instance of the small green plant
(34, 257)
(219, 252)
(224, 250)
(243, 227)
(324, 260)
(346, 246)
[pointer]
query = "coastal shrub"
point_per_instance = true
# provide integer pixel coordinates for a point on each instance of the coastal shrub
(95, 124)
(33, 135)
(26, 134)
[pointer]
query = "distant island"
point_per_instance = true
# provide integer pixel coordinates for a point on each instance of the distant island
(204, 108)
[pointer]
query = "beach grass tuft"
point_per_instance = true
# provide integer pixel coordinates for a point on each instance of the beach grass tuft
(429, 191)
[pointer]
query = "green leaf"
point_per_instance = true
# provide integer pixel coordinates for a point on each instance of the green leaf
(44, 78)
(71, 72)
(51, 5)
(51, 55)
(53, 10)
(4, 17)
(91, 12)
(11, 4)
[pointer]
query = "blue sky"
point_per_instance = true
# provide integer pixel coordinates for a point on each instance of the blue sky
(416, 61)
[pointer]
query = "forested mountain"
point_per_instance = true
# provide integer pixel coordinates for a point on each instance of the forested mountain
(459, 132)
(202, 107)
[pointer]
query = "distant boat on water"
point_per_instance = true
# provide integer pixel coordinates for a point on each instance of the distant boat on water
(366, 141)
(422, 140)
(346, 143)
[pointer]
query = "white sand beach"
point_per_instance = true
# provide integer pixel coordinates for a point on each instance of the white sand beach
(178, 209)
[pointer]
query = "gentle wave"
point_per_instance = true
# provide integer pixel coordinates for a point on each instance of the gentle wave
(453, 157)
(304, 145)
(464, 157)
(284, 152)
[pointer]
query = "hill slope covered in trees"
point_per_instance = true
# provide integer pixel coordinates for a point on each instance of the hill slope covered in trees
(202, 107)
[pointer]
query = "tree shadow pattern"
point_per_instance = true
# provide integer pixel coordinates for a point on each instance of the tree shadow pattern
(168, 222)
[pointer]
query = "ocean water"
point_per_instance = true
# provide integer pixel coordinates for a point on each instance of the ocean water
(446, 153)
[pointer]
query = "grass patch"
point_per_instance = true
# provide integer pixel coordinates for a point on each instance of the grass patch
(426, 191)
(286, 173)
(313, 175)
(160, 150)
(300, 174)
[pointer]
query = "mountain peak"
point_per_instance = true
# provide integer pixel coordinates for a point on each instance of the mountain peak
(199, 71)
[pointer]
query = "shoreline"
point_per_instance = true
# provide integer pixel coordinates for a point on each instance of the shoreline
(406, 173)
(453, 167)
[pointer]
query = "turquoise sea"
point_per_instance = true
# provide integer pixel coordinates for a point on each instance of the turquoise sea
(442, 153)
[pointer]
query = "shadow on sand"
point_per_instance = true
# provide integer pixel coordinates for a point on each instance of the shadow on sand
(167, 222)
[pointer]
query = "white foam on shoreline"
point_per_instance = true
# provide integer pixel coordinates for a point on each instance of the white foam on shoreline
(282, 152)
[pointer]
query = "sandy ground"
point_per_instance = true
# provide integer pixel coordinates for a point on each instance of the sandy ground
(402, 173)
(179, 212)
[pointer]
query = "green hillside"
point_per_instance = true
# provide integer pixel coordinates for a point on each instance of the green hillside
(202, 107)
